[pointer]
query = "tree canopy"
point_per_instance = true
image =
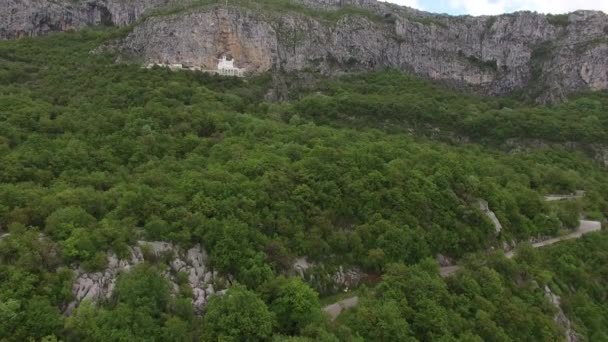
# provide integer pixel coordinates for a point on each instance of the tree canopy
(378, 171)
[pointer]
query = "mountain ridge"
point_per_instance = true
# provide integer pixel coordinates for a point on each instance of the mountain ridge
(548, 57)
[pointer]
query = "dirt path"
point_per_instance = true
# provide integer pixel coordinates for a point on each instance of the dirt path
(561, 197)
(584, 228)
(448, 270)
(334, 310)
(552, 198)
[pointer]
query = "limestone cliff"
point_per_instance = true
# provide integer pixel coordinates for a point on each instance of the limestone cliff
(548, 56)
(22, 18)
(495, 55)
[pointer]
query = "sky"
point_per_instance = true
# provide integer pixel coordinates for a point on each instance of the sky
(483, 7)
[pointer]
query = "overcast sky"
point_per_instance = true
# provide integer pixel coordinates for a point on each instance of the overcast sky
(480, 7)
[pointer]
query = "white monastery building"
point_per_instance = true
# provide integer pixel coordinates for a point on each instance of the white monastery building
(226, 67)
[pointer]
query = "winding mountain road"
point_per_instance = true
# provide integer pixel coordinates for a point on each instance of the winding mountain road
(334, 310)
(552, 198)
(585, 227)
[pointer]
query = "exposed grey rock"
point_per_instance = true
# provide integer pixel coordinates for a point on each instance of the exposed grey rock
(96, 286)
(600, 153)
(158, 247)
(493, 54)
(444, 261)
(336, 4)
(210, 289)
(560, 317)
(348, 278)
(326, 280)
(178, 265)
(19, 18)
(508, 246)
(200, 297)
(301, 265)
(485, 207)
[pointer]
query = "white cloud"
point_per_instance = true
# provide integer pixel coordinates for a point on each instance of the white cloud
(478, 7)
(481, 7)
(408, 3)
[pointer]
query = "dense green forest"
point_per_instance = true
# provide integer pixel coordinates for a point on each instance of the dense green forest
(95, 155)
(492, 299)
(394, 101)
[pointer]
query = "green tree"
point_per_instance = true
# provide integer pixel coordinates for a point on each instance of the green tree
(294, 304)
(238, 315)
(381, 321)
(40, 319)
(176, 330)
(143, 288)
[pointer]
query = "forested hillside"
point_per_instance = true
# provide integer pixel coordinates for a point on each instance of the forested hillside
(96, 156)
(393, 100)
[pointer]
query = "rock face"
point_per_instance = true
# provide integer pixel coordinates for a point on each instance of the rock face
(485, 207)
(327, 280)
(22, 18)
(495, 55)
(553, 56)
(600, 153)
(444, 261)
(560, 317)
(98, 286)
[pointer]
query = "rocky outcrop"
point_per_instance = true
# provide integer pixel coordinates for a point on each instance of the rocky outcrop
(444, 261)
(301, 266)
(495, 55)
(24, 18)
(328, 280)
(485, 208)
(348, 278)
(96, 286)
(560, 317)
(600, 153)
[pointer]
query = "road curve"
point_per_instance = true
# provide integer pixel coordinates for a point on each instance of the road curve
(553, 198)
(334, 310)
(585, 227)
